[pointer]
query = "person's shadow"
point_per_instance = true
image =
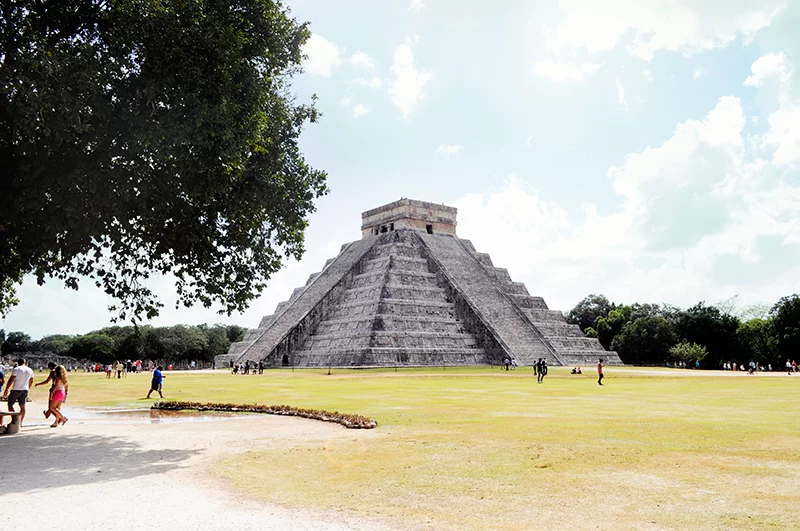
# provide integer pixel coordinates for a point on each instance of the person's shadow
(42, 460)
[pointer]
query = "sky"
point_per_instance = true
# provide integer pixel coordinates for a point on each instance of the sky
(648, 150)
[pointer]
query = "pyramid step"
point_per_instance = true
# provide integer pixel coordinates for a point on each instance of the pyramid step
(517, 288)
(500, 273)
(396, 249)
(548, 316)
(575, 343)
(405, 339)
(389, 357)
(556, 329)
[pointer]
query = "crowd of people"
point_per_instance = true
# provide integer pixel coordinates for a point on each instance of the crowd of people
(19, 385)
(16, 390)
(754, 367)
(248, 368)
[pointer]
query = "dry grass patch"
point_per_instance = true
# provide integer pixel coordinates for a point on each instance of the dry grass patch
(485, 449)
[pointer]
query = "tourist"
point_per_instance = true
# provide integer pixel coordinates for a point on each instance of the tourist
(155, 383)
(539, 371)
(58, 396)
(788, 367)
(19, 383)
(794, 366)
(2, 378)
(536, 367)
(51, 378)
(600, 372)
(118, 367)
(260, 367)
(513, 364)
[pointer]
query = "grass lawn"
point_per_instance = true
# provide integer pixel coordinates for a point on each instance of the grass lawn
(482, 448)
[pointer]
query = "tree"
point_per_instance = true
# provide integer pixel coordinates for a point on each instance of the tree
(132, 346)
(708, 326)
(141, 138)
(94, 347)
(217, 341)
(586, 312)
(609, 326)
(16, 342)
(757, 341)
(689, 353)
(235, 333)
(754, 311)
(645, 341)
(175, 343)
(58, 344)
(786, 320)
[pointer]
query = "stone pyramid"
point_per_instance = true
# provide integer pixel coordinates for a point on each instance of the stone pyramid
(411, 293)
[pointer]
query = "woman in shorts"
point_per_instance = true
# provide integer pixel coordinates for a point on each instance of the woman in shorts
(58, 396)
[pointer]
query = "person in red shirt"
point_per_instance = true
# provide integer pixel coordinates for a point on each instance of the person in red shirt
(600, 371)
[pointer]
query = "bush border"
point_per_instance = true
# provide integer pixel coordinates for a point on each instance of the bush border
(345, 419)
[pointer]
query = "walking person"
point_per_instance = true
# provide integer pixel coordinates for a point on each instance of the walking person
(540, 370)
(50, 379)
(543, 372)
(155, 383)
(19, 383)
(600, 372)
(58, 396)
(536, 367)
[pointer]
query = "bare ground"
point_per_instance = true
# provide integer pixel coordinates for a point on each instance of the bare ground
(132, 474)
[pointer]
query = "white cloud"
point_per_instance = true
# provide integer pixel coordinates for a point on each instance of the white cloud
(783, 135)
(698, 72)
(345, 101)
(768, 66)
(374, 82)
(362, 59)
(620, 93)
(559, 72)
(702, 216)
(648, 75)
(360, 110)
(322, 56)
(416, 6)
(528, 141)
(647, 26)
(448, 149)
(409, 83)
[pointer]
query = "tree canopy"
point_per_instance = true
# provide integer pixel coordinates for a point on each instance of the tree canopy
(586, 312)
(173, 343)
(141, 138)
(709, 334)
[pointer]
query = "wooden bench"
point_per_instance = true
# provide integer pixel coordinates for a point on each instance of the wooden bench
(13, 426)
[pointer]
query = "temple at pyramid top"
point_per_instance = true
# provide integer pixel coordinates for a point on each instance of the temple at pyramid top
(409, 214)
(412, 293)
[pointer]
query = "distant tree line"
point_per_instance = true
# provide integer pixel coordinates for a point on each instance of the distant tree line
(174, 343)
(708, 334)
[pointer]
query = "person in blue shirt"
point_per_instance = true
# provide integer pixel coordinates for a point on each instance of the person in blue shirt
(155, 384)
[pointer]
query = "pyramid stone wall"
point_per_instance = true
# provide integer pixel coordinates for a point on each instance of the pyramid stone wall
(411, 293)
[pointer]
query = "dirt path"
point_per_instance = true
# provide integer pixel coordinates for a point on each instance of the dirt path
(132, 474)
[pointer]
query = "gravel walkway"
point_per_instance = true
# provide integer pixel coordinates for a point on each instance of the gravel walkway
(129, 473)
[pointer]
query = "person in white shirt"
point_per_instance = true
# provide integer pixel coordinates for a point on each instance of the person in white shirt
(18, 386)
